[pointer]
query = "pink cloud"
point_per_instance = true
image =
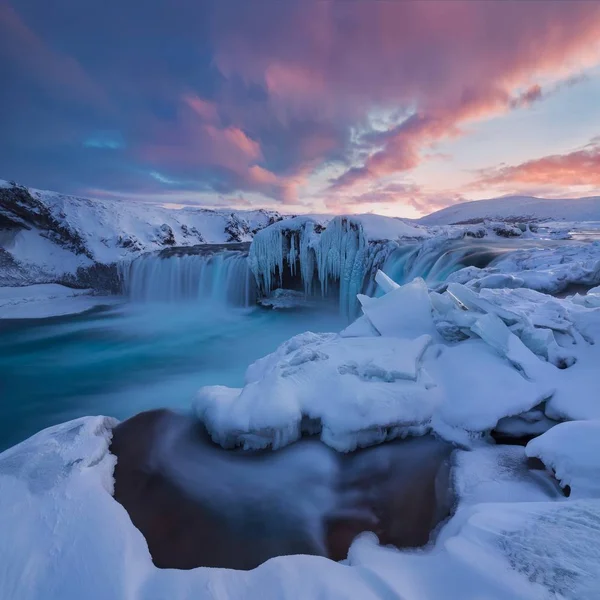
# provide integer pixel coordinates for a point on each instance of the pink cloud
(450, 63)
(206, 110)
(581, 167)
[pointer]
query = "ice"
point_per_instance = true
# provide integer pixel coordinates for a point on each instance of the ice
(385, 283)
(550, 269)
(403, 312)
(360, 391)
(503, 360)
(338, 254)
(500, 474)
(518, 209)
(572, 451)
(479, 388)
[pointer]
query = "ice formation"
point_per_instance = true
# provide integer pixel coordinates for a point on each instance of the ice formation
(549, 269)
(338, 256)
(476, 359)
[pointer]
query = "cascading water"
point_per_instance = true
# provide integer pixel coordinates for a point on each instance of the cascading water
(221, 278)
(336, 260)
(434, 260)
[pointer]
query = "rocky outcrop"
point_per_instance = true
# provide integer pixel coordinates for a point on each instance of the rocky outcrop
(19, 209)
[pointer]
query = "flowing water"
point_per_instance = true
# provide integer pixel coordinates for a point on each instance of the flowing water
(129, 358)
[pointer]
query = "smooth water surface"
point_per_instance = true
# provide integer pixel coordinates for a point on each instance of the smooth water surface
(134, 357)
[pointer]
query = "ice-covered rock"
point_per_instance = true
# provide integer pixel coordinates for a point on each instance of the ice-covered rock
(354, 391)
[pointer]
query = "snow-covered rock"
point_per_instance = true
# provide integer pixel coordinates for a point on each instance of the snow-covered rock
(572, 451)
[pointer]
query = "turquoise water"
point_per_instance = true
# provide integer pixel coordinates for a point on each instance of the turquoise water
(122, 360)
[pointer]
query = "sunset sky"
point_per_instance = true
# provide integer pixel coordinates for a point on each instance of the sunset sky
(395, 107)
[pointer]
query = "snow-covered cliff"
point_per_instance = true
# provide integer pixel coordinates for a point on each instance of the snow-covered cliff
(48, 237)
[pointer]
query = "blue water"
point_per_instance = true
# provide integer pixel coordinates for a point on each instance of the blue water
(133, 357)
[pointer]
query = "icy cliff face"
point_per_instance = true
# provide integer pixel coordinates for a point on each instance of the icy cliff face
(335, 260)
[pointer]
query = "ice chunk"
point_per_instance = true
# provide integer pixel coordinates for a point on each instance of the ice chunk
(385, 283)
(494, 332)
(361, 391)
(478, 389)
(362, 327)
(499, 280)
(402, 312)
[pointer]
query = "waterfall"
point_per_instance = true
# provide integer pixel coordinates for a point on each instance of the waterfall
(435, 259)
(222, 278)
(337, 259)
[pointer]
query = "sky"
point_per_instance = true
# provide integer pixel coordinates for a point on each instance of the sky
(397, 107)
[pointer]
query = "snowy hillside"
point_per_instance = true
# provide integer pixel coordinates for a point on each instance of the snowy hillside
(519, 208)
(44, 235)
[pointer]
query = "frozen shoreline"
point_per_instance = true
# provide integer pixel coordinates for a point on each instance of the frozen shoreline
(45, 300)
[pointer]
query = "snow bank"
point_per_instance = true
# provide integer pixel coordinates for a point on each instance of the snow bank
(572, 451)
(46, 300)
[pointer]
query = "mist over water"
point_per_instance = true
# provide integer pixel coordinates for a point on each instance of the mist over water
(133, 357)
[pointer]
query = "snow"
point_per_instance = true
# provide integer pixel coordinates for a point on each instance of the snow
(47, 300)
(524, 208)
(36, 251)
(549, 269)
(378, 228)
(572, 451)
(105, 224)
(385, 395)
(500, 474)
(76, 541)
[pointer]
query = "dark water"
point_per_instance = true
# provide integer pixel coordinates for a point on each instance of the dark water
(199, 505)
(126, 359)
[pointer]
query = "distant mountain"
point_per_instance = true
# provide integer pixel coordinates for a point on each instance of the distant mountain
(517, 208)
